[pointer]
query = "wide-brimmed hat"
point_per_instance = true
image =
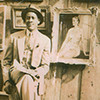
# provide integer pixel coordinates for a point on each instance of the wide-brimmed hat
(30, 9)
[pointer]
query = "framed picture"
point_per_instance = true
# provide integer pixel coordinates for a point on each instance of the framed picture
(2, 26)
(71, 42)
(18, 22)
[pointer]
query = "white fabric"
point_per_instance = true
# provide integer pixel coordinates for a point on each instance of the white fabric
(27, 88)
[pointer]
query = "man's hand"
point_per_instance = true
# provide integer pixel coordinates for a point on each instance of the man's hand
(8, 87)
(33, 73)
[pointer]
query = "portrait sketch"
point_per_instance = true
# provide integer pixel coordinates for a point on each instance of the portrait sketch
(74, 37)
(71, 34)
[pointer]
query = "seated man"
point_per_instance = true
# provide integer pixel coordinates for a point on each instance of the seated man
(30, 49)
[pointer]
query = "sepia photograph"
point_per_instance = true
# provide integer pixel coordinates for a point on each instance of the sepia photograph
(49, 49)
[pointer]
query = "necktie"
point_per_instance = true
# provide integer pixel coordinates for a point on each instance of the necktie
(30, 41)
(28, 52)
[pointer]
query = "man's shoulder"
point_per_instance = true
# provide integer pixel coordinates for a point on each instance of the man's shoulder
(44, 37)
(18, 34)
(71, 29)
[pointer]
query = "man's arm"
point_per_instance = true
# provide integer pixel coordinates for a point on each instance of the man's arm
(45, 61)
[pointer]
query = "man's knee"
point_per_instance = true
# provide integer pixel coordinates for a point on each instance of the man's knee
(28, 77)
(28, 81)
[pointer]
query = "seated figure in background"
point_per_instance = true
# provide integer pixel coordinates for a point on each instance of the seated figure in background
(72, 43)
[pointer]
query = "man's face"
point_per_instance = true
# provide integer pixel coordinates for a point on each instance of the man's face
(31, 21)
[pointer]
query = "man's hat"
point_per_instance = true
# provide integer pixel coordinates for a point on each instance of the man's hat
(29, 9)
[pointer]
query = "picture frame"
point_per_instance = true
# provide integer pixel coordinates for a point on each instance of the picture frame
(62, 24)
(2, 25)
(18, 22)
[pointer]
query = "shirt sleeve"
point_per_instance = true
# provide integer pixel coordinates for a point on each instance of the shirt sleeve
(45, 61)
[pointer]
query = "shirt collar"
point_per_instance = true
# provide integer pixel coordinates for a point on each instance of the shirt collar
(33, 34)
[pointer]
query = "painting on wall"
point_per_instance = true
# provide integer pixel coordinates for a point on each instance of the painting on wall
(2, 26)
(74, 35)
(71, 42)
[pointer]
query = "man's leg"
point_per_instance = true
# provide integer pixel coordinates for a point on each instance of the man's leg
(26, 87)
(37, 97)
